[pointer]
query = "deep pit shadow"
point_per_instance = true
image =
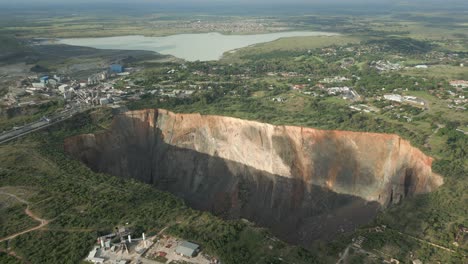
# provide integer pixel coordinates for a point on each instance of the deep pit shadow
(294, 210)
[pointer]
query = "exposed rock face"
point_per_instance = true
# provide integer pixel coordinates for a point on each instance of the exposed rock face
(303, 183)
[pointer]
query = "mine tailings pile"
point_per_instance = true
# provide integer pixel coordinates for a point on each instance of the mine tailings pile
(302, 183)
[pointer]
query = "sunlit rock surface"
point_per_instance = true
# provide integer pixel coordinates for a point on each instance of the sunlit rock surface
(303, 183)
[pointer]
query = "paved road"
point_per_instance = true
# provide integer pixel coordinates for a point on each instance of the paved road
(38, 125)
(43, 222)
(425, 241)
(344, 255)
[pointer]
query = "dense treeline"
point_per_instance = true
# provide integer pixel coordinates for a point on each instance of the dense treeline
(7, 259)
(13, 219)
(403, 45)
(437, 216)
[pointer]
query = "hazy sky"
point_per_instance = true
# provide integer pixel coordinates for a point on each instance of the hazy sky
(311, 2)
(25, 5)
(231, 1)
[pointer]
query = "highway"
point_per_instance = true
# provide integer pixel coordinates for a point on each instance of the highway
(38, 125)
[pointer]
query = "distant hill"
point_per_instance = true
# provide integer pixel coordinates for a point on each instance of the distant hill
(12, 48)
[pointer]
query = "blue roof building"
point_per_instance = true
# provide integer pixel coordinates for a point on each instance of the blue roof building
(44, 79)
(117, 68)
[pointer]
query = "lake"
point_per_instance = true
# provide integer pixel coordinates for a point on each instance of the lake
(191, 47)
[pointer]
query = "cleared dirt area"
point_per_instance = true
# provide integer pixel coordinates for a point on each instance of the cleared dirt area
(164, 249)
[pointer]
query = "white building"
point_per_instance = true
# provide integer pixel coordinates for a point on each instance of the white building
(93, 256)
(459, 83)
(68, 94)
(338, 90)
(393, 97)
(104, 101)
(63, 88)
(38, 85)
(421, 66)
(413, 99)
(58, 78)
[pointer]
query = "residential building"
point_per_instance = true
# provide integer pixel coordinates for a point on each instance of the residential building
(459, 83)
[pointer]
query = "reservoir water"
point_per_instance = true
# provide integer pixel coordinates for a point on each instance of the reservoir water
(191, 47)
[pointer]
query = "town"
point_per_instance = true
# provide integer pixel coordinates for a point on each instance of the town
(117, 85)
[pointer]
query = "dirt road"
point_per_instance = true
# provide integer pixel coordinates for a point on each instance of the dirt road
(43, 222)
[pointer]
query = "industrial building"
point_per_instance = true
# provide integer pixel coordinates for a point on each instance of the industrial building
(44, 79)
(93, 256)
(104, 101)
(116, 68)
(39, 85)
(187, 249)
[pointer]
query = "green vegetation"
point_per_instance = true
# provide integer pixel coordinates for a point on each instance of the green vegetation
(11, 48)
(7, 259)
(13, 219)
(440, 71)
(61, 247)
(403, 45)
(9, 45)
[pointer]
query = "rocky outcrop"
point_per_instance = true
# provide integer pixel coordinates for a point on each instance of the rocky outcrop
(303, 183)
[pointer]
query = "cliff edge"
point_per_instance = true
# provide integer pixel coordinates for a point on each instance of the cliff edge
(303, 183)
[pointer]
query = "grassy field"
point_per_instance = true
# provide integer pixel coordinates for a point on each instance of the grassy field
(439, 71)
(289, 44)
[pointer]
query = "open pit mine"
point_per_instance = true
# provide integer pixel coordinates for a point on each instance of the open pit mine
(302, 183)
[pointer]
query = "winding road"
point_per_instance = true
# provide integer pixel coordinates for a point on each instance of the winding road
(43, 222)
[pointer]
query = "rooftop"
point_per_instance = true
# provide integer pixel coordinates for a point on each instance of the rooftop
(187, 248)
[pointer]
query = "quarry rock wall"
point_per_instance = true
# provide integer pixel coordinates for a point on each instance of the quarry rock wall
(303, 183)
